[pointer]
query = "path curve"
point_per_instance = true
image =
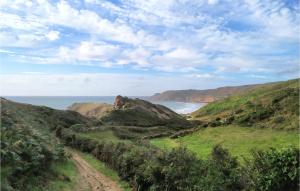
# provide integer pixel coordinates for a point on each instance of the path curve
(96, 180)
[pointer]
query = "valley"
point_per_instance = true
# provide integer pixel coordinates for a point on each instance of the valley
(135, 144)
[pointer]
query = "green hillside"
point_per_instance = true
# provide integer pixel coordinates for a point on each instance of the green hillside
(263, 117)
(31, 156)
(238, 140)
(274, 105)
(13, 114)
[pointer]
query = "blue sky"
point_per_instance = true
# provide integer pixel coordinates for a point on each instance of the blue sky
(134, 47)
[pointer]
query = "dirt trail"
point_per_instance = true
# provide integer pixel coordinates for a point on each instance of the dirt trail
(96, 180)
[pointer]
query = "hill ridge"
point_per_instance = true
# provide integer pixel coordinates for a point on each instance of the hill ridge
(203, 95)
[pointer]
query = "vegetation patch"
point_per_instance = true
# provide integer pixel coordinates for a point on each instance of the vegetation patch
(30, 160)
(63, 176)
(148, 168)
(274, 105)
(238, 140)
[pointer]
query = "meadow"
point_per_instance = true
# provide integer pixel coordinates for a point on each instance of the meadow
(238, 140)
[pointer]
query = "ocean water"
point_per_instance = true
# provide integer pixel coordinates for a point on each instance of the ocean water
(62, 102)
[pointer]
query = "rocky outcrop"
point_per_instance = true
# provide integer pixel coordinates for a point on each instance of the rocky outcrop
(138, 112)
(119, 102)
(131, 112)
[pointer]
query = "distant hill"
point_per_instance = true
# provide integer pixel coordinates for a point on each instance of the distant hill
(200, 96)
(131, 112)
(274, 105)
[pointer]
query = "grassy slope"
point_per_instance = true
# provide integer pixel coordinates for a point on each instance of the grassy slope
(239, 140)
(126, 133)
(97, 164)
(61, 175)
(39, 117)
(105, 135)
(257, 116)
(273, 105)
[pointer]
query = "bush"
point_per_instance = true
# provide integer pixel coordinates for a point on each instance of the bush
(178, 171)
(26, 153)
(258, 114)
(148, 168)
(279, 119)
(215, 123)
(221, 172)
(274, 170)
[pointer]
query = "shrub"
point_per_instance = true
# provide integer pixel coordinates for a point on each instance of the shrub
(178, 171)
(215, 123)
(148, 168)
(221, 172)
(26, 153)
(258, 114)
(279, 119)
(274, 170)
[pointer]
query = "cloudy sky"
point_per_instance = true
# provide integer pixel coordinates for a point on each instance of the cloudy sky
(134, 47)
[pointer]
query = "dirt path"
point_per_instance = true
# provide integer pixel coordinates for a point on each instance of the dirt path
(96, 180)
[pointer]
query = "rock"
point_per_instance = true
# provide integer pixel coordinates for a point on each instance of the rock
(119, 102)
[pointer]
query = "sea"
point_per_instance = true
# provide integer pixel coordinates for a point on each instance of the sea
(62, 102)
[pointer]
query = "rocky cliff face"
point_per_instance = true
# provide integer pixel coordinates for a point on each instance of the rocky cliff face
(119, 102)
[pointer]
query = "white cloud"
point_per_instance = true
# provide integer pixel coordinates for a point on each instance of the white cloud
(212, 2)
(178, 59)
(258, 76)
(204, 75)
(88, 51)
(170, 36)
(138, 56)
(53, 35)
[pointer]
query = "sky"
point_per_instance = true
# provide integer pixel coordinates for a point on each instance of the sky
(135, 47)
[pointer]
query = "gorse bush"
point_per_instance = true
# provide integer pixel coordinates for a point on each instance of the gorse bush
(222, 172)
(178, 169)
(274, 170)
(148, 168)
(25, 153)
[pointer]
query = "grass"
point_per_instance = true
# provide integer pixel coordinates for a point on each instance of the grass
(100, 166)
(63, 178)
(239, 140)
(103, 135)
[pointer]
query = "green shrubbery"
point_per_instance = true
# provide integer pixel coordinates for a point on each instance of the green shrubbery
(25, 153)
(148, 168)
(273, 105)
(274, 170)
